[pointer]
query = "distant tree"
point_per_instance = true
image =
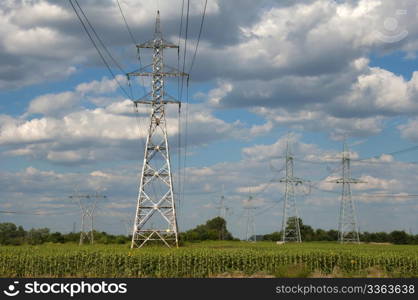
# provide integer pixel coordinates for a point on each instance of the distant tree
(275, 236)
(380, 237)
(10, 234)
(56, 237)
(399, 237)
(37, 236)
(307, 232)
(332, 235)
(214, 229)
(73, 237)
(321, 235)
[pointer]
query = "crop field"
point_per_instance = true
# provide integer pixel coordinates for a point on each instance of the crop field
(211, 259)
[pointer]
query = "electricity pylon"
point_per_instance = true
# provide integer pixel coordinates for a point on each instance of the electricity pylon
(223, 209)
(156, 203)
(87, 211)
(127, 223)
(250, 226)
(347, 226)
(290, 221)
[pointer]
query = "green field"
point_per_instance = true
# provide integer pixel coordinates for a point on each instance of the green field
(211, 259)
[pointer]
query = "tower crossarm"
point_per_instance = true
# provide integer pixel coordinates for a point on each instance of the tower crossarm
(156, 43)
(162, 73)
(295, 180)
(347, 180)
(163, 102)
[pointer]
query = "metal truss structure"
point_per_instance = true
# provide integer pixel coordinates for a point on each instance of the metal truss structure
(155, 218)
(250, 232)
(87, 205)
(347, 226)
(223, 209)
(224, 212)
(290, 221)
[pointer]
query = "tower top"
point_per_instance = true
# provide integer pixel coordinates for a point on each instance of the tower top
(157, 41)
(157, 33)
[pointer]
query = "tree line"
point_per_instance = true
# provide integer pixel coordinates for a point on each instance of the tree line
(214, 229)
(310, 234)
(10, 234)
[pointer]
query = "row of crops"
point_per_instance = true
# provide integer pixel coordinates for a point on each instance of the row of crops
(202, 260)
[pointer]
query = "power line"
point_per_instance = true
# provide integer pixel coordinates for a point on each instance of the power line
(36, 213)
(321, 190)
(180, 173)
(198, 39)
(98, 50)
(186, 137)
(390, 195)
(181, 21)
(366, 160)
(186, 33)
(126, 23)
(99, 39)
(178, 52)
(268, 208)
(314, 162)
(187, 96)
(134, 106)
(264, 188)
(394, 153)
(128, 28)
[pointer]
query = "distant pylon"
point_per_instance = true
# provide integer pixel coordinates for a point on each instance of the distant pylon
(87, 212)
(223, 209)
(250, 231)
(290, 221)
(127, 223)
(348, 231)
(155, 217)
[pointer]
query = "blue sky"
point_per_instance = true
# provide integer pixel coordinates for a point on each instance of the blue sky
(315, 72)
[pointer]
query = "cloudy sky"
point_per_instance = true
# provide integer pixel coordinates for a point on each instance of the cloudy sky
(311, 72)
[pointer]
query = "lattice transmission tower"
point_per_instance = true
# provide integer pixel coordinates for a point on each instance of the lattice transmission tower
(290, 221)
(155, 218)
(87, 204)
(250, 232)
(223, 209)
(348, 231)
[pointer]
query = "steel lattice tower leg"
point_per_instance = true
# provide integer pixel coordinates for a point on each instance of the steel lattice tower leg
(290, 221)
(347, 225)
(155, 218)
